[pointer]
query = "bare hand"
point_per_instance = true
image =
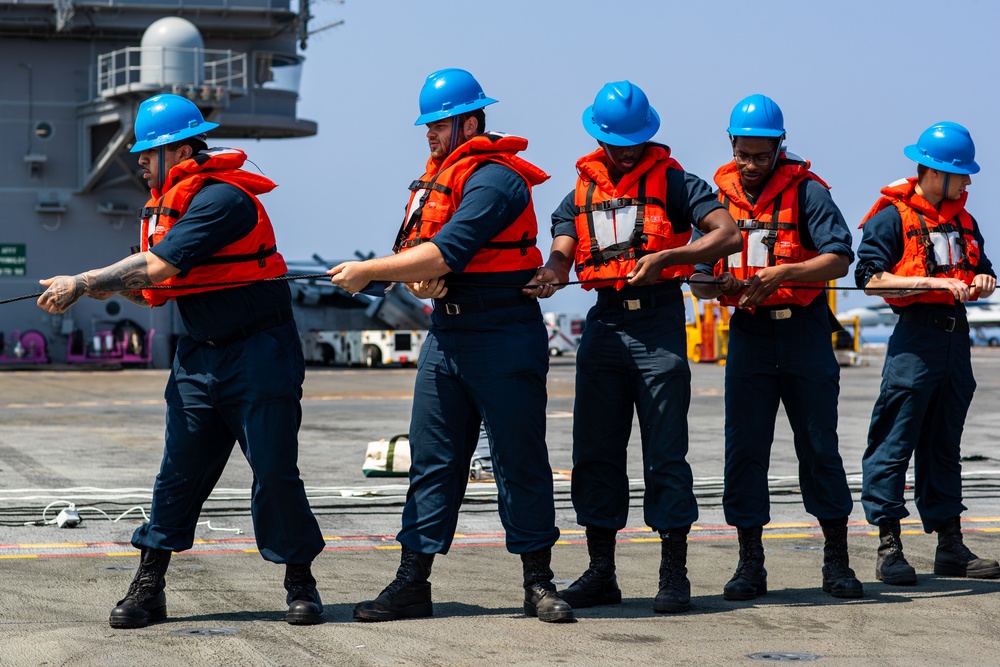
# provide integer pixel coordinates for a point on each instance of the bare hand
(763, 284)
(62, 292)
(540, 287)
(428, 289)
(349, 276)
(647, 270)
(729, 284)
(983, 285)
(959, 290)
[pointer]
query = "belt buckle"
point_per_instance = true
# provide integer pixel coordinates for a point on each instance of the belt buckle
(949, 324)
(632, 304)
(452, 309)
(780, 314)
(209, 343)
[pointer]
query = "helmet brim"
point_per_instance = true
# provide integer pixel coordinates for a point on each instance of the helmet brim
(754, 132)
(180, 135)
(441, 114)
(620, 139)
(914, 153)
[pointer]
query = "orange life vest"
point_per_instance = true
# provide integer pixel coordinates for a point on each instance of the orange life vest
(253, 257)
(770, 228)
(617, 223)
(937, 244)
(436, 195)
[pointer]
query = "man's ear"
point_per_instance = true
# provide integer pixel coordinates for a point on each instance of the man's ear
(184, 152)
(471, 127)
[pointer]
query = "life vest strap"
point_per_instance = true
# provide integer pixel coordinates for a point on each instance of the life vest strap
(522, 244)
(414, 222)
(150, 211)
(621, 202)
(258, 257)
(430, 185)
(614, 252)
(753, 223)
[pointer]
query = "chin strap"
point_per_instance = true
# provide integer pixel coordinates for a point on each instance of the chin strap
(944, 188)
(454, 134)
(162, 165)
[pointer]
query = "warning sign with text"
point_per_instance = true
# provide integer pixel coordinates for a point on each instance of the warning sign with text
(13, 260)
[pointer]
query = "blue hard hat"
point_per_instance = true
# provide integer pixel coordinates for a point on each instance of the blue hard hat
(450, 92)
(164, 119)
(945, 146)
(621, 115)
(756, 116)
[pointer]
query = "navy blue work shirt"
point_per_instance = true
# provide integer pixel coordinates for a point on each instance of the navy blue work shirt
(824, 230)
(689, 200)
(882, 246)
(494, 196)
(219, 214)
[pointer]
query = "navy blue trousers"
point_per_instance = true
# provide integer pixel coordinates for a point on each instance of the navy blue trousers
(792, 362)
(246, 392)
(484, 368)
(927, 386)
(633, 360)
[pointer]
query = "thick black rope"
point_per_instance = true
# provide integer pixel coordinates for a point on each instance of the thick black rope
(231, 283)
(314, 276)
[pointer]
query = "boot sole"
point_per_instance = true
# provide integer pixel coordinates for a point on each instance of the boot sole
(736, 597)
(303, 619)
(671, 607)
(582, 603)
(422, 610)
(947, 570)
(850, 594)
(904, 580)
(548, 616)
(127, 623)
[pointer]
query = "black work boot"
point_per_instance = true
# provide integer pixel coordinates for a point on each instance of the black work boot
(953, 558)
(675, 589)
(540, 596)
(891, 566)
(838, 577)
(406, 596)
(304, 605)
(750, 578)
(598, 584)
(145, 601)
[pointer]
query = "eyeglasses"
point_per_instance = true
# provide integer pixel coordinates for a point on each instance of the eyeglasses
(761, 160)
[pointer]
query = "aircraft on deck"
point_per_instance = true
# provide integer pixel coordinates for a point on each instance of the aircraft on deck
(982, 315)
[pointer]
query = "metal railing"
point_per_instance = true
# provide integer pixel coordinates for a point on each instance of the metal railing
(206, 72)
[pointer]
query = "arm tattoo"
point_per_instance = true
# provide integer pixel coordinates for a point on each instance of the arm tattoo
(129, 274)
(135, 297)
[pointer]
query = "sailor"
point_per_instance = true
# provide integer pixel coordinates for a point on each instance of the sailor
(626, 227)
(202, 225)
(923, 253)
(780, 351)
(470, 220)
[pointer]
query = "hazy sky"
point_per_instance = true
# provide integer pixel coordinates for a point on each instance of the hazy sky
(856, 80)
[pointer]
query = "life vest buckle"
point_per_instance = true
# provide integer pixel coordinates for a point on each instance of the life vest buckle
(618, 202)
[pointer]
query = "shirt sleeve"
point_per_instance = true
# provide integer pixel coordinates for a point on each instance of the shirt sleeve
(564, 217)
(219, 214)
(494, 197)
(881, 245)
(985, 265)
(689, 199)
(826, 226)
